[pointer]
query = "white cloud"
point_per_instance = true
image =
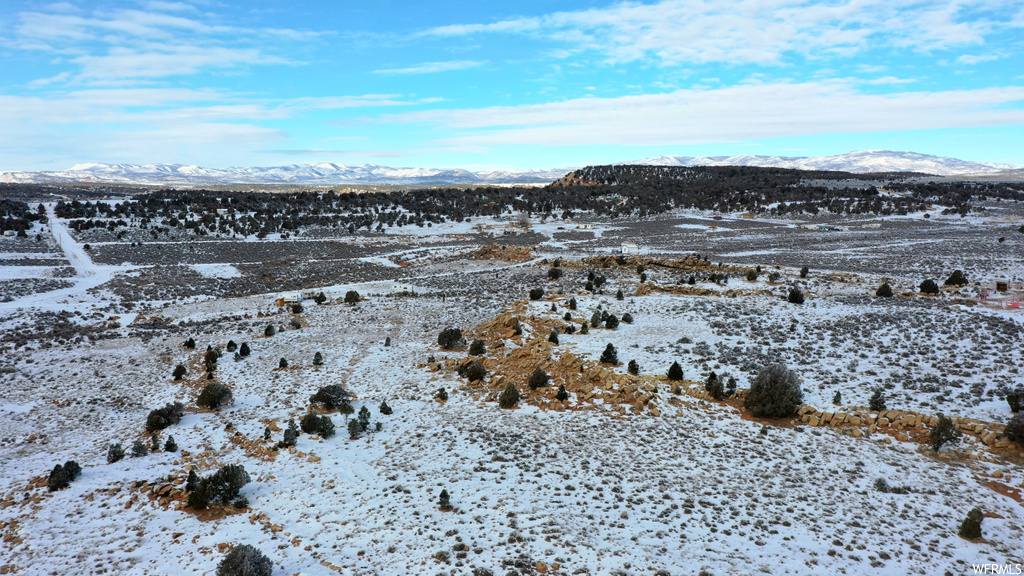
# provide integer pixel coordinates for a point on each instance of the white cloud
(971, 59)
(432, 67)
(720, 115)
(891, 80)
(125, 46)
(751, 31)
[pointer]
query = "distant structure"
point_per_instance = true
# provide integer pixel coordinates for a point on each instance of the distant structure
(1004, 295)
(630, 248)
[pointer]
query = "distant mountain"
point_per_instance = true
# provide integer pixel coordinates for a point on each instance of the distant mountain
(857, 162)
(322, 174)
(331, 174)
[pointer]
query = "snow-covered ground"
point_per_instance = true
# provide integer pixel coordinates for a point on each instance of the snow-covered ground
(582, 491)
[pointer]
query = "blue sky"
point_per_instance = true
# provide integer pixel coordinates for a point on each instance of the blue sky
(485, 84)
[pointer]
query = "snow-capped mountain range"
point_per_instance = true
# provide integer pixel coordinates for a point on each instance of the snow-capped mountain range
(857, 162)
(329, 173)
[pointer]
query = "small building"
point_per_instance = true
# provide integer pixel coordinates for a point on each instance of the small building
(1002, 286)
(290, 297)
(10, 232)
(630, 248)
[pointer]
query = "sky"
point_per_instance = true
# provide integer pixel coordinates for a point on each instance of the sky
(488, 84)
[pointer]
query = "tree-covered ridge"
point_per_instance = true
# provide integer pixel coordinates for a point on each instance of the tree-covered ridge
(606, 191)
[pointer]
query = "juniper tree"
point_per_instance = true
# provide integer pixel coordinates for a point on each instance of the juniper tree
(970, 528)
(633, 368)
(714, 387)
(291, 435)
(553, 337)
(957, 278)
(730, 387)
(675, 372)
(170, 445)
(384, 408)
(774, 393)
(477, 348)
(944, 432)
(441, 394)
(244, 350)
(215, 395)
(318, 359)
(627, 318)
(536, 293)
(877, 401)
(245, 560)
(553, 307)
(331, 396)
(796, 296)
(449, 338)
(475, 370)
(611, 322)
(58, 479)
(929, 287)
(572, 303)
(180, 371)
(352, 297)
(804, 272)
(364, 417)
(596, 320)
(1014, 431)
(155, 442)
(561, 395)
(509, 397)
(538, 378)
(838, 398)
(567, 317)
(619, 295)
(309, 423)
(751, 275)
(325, 427)
(192, 482)
(231, 346)
(444, 501)
(190, 343)
(346, 408)
(139, 449)
(269, 330)
(387, 342)
(267, 434)
(1016, 400)
(610, 355)
(223, 485)
(161, 418)
(354, 429)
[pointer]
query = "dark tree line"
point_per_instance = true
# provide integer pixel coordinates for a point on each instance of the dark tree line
(609, 191)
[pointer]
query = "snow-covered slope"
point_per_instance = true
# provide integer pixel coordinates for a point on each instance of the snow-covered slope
(326, 173)
(857, 162)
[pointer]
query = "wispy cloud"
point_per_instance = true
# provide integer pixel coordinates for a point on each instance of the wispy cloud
(971, 59)
(751, 31)
(432, 67)
(891, 80)
(720, 115)
(125, 46)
